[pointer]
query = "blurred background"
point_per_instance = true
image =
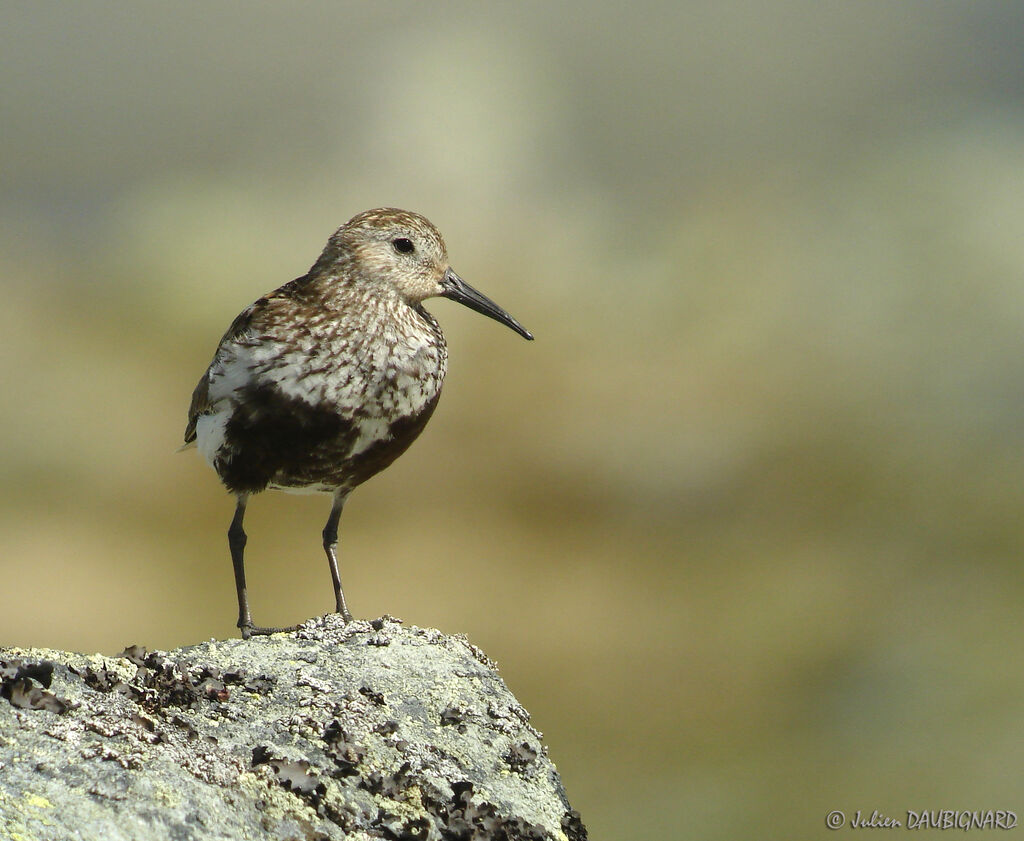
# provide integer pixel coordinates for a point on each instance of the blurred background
(743, 527)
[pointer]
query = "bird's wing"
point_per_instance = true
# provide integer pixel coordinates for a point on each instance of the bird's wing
(253, 317)
(200, 403)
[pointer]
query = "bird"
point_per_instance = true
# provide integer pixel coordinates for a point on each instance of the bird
(322, 383)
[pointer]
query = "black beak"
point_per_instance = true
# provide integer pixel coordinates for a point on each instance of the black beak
(458, 290)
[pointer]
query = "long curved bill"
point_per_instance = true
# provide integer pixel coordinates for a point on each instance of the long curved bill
(458, 290)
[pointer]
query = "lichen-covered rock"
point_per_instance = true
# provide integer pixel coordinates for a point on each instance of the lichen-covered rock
(359, 731)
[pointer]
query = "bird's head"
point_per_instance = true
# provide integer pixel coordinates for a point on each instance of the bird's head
(399, 252)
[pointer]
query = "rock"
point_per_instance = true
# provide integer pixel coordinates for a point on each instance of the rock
(360, 731)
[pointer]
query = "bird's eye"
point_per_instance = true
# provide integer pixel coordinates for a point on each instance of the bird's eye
(403, 245)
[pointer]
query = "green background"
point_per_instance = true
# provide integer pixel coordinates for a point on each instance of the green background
(743, 527)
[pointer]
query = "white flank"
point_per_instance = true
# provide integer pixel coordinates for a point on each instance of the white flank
(210, 434)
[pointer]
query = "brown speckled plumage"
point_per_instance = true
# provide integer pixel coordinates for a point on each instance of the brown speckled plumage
(322, 383)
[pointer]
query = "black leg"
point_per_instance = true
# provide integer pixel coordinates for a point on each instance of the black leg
(330, 547)
(236, 541)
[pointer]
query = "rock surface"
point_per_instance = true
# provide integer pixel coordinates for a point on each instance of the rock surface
(360, 731)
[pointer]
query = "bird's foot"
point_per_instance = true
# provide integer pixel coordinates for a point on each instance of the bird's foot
(251, 630)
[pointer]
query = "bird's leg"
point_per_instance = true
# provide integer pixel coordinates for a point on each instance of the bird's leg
(236, 541)
(330, 547)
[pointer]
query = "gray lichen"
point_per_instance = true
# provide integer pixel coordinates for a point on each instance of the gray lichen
(364, 731)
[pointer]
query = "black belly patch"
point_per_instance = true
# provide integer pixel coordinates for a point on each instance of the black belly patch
(272, 438)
